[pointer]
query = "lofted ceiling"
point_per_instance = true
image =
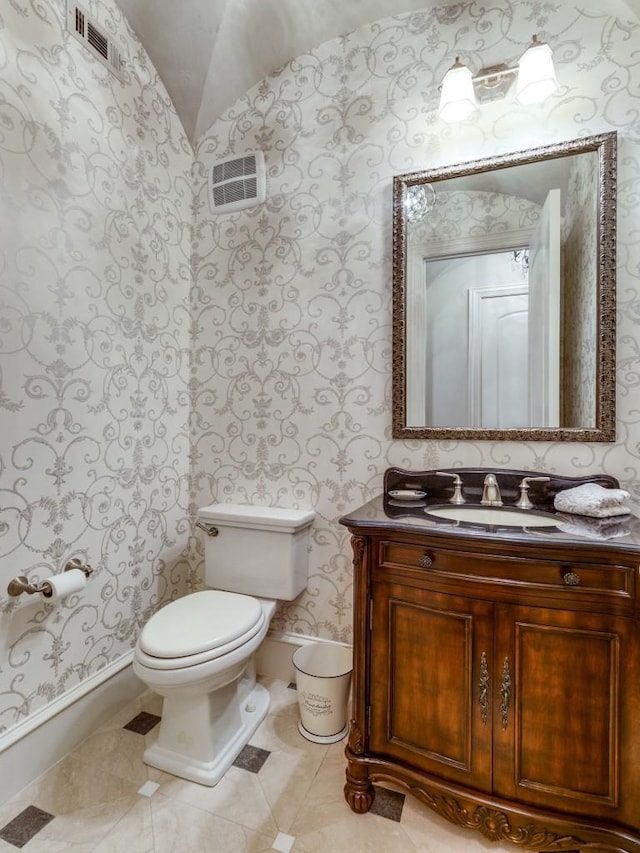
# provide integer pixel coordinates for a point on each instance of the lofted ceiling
(209, 52)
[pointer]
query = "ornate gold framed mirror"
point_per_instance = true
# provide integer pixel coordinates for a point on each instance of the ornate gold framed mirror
(504, 296)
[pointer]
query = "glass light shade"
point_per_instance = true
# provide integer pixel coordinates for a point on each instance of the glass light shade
(420, 199)
(457, 98)
(536, 74)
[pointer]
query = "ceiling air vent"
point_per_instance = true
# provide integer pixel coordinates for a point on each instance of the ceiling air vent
(82, 27)
(237, 182)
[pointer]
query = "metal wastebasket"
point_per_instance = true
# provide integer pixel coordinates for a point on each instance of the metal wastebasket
(323, 680)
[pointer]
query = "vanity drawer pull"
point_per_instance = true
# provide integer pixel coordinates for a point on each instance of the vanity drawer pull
(425, 561)
(571, 578)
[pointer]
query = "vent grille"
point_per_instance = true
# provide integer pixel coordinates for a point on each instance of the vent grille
(90, 35)
(229, 169)
(235, 191)
(98, 41)
(237, 182)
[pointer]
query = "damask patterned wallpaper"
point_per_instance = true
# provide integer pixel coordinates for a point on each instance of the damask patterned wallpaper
(292, 300)
(459, 215)
(95, 205)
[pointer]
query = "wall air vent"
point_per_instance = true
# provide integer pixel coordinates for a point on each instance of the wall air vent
(237, 182)
(91, 36)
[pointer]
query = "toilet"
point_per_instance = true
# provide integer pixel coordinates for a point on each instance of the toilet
(197, 652)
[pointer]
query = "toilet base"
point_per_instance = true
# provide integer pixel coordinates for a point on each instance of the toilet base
(252, 709)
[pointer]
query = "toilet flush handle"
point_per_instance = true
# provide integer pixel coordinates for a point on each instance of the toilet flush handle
(209, 529)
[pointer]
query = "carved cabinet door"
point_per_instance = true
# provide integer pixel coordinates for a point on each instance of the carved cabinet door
(559, 715)
(431, 655)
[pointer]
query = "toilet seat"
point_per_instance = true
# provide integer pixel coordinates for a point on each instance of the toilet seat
(200, 627)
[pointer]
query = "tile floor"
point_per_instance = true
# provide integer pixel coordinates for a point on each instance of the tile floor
(282, 794)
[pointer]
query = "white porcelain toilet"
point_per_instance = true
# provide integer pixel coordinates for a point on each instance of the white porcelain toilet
(197, 652)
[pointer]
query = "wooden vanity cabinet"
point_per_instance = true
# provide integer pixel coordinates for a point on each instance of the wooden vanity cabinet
(426, 668)
(502, 690)
(557, 737)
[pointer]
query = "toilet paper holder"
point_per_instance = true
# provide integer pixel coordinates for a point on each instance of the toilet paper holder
(22, 584)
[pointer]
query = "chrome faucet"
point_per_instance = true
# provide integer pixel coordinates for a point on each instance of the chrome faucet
(491, 493)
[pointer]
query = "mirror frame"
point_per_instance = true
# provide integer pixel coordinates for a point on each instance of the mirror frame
(605, 145)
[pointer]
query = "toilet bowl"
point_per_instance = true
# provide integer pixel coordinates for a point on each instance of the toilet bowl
(212, 703)
(197, 652)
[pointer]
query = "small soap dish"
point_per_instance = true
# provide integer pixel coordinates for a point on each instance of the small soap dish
(407, 494)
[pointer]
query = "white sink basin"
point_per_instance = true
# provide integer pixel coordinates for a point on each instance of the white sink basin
(498, 515)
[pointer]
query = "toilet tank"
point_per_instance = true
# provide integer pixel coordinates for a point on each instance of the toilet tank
(258, 550)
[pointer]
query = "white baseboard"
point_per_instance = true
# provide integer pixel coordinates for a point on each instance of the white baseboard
(273, 658)
(36, 744)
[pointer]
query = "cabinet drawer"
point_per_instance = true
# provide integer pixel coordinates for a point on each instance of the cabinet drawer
(610, 581)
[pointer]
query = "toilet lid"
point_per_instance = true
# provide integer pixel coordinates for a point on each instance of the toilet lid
(199, 623)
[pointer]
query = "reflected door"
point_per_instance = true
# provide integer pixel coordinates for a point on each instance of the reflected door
(460, 335)
(499, 354)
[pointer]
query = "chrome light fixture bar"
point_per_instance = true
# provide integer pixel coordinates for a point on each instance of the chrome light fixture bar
(462, 92)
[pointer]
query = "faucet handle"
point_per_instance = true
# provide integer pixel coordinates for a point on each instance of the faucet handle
(523, 501)
(457, 497)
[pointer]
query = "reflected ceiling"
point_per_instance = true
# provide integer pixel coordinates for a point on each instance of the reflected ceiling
(209, 52)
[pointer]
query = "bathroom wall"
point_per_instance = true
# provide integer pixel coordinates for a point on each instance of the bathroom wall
(95, 204)
(292, 300)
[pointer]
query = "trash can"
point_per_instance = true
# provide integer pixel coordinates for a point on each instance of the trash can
(323, 679)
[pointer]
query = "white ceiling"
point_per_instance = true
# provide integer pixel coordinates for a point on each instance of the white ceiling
(209, 52)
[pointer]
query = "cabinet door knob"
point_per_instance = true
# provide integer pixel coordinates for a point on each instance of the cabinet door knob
(571, 578)
(425, 561)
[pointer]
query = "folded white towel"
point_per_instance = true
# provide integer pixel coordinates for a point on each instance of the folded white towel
(594, 528)
(592, 500)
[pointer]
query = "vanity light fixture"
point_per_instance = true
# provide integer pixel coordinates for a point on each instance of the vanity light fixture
(461, 92)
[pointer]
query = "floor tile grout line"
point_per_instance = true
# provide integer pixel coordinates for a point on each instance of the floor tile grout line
(152, 804)
(116, 824)
(283, 752)
(303, 802)
(215, 814)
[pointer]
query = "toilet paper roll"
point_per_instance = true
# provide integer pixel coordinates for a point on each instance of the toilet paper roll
(62, 585)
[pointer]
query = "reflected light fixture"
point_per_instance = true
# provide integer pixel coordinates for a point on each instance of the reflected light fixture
(461, 92)
(419, 200)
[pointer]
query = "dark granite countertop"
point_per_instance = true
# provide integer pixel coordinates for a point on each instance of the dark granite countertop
(412, 516)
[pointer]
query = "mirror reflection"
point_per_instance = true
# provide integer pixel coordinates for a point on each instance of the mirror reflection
(503, 295)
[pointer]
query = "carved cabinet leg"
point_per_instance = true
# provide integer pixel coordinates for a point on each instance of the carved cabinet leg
(358, 790)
